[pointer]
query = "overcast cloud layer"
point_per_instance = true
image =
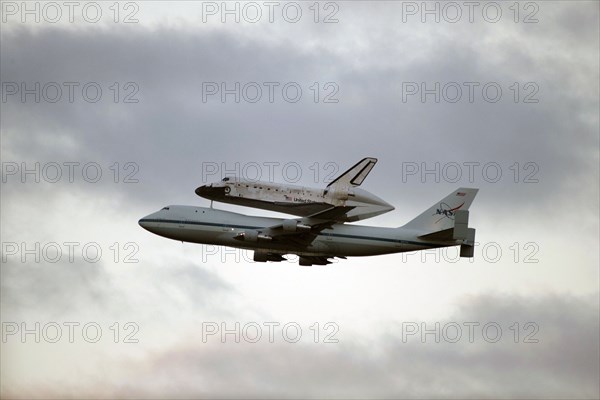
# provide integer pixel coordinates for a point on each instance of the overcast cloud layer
(531, 295)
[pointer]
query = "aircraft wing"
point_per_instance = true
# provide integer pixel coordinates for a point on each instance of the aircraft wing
(298, 233)
(300, 240)
(302, 236)
(302, 231)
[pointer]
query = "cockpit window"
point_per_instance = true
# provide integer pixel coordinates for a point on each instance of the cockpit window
(165, 208)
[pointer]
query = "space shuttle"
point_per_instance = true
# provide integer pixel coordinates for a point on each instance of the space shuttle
(342, 200)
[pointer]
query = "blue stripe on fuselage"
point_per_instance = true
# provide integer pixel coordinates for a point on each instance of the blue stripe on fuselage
(187, 222)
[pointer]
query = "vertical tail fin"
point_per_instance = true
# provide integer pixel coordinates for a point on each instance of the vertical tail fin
(355, 175)
(442, 214)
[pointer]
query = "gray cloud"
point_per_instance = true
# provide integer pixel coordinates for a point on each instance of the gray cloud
(49, 291)
(170, 67)
(563, 364)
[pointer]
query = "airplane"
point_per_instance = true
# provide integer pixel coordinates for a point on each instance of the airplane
(343, 192)
(318, 237)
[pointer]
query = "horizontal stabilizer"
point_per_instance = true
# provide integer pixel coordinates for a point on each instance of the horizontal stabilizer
(442, 236)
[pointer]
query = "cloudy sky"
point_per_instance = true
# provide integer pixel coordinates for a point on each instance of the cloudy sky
(110, 112)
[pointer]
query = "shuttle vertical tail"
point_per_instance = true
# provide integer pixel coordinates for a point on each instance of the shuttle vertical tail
(355, 175)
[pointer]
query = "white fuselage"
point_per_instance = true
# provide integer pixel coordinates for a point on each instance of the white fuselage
(296, 200)
(218, 227)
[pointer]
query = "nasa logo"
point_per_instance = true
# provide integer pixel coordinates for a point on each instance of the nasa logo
(446, 211)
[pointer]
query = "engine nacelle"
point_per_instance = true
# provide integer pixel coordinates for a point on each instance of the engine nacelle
(309, 261)
(291, 225)
(264, 256)
(252, 236)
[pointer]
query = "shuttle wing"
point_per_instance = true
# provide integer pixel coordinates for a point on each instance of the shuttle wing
(332, 213)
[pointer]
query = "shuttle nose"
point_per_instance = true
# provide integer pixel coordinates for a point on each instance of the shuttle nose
(210, 192)
(200, 190)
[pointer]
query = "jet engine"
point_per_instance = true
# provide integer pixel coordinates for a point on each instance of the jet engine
(291, 225)
(252, 236)
(264, 256)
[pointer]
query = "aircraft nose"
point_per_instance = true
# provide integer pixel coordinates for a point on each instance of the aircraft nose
(143, 223)
(149, 220)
